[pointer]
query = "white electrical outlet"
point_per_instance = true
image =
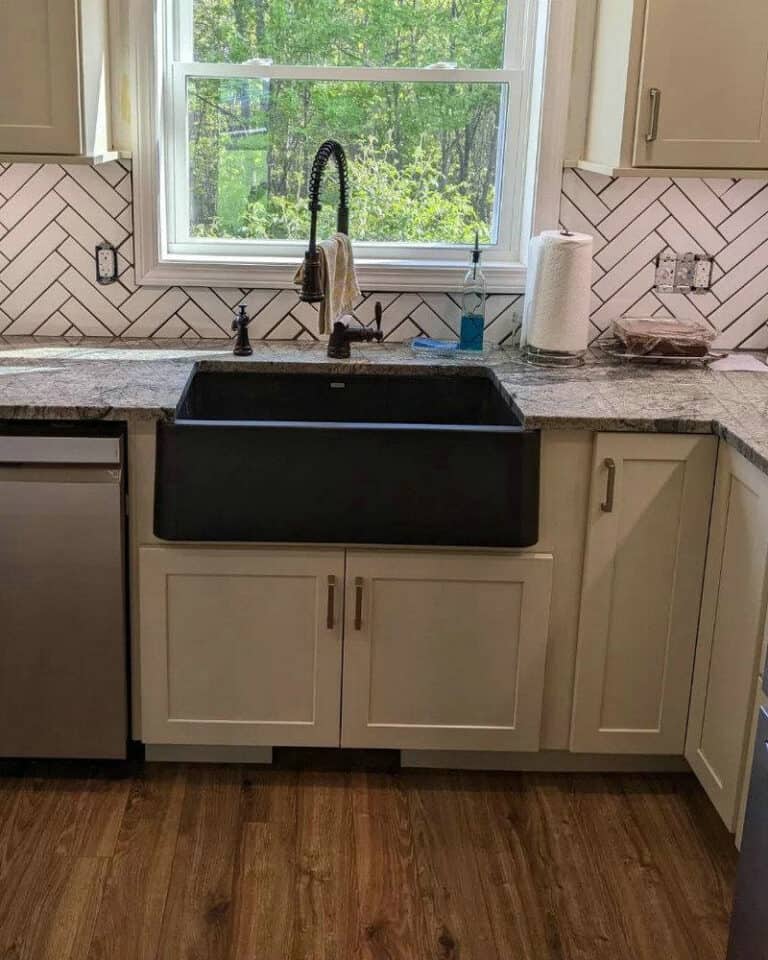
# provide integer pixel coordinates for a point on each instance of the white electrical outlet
(106, 263)
(683, 273)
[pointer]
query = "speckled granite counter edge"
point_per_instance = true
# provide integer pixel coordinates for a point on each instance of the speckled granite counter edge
(148, 384)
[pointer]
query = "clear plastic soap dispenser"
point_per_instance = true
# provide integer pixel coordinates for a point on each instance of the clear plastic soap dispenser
(473, 312)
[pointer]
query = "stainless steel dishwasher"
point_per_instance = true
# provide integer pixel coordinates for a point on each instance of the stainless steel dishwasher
(63, 631)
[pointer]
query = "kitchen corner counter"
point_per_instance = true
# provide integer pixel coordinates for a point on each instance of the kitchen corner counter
(124, 380)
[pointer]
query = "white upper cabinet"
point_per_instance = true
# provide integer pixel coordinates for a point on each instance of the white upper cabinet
(643, 570)
(678, 85)
(730, 633)
(54, 84)
(445, 651)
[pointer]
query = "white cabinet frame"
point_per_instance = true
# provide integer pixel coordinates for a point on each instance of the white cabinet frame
(399, 602)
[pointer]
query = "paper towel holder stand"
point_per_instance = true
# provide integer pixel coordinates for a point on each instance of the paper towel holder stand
(551, 358)
(539, 357)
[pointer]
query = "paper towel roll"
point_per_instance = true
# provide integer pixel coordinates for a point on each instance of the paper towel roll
(557, 294)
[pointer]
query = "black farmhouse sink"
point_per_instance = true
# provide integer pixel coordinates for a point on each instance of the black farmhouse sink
(360, 458)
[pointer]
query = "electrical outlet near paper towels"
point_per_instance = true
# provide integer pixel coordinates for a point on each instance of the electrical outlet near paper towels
(683, 272)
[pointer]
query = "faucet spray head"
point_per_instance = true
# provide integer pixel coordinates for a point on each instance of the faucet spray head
(311, 288)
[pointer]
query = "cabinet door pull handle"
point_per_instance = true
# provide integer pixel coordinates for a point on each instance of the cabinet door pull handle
(653, 123)
(358, 603)
(329, 618)
(610, 466)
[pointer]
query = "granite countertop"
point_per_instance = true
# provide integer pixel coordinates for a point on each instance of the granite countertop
(124, 380)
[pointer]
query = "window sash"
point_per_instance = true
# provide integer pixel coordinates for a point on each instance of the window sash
(518, 39)
(511, 156)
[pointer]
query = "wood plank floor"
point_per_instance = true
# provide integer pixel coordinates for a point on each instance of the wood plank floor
(168, 862)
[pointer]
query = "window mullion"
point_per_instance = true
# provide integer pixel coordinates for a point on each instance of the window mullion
(247, 71)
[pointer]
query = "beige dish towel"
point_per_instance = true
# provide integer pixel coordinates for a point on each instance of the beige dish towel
(337, 277)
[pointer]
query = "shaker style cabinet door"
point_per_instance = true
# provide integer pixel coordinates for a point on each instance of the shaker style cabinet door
(703, 90)
(641, 589)
(39, 77)
(730, 633)
(241, 647)
(445, 651)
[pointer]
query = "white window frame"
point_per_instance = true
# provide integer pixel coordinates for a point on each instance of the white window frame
(538, 44)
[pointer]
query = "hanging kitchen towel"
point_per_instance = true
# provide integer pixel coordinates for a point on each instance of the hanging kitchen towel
(338, 280)
(557, 294)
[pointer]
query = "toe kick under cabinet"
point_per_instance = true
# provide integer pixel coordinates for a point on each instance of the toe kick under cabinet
(364, 648)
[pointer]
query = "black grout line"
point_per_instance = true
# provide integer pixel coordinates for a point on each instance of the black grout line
(106, 213)
(44, 225)
(631, 223)
(609, 271)
(90, 313)
(577, 207)
(637, 216)
(744, 202)
(753, 304)
(37, 169)
(113, 216)
(698, 242)
(726, 273)
(42, 292)
(746, 230)
(613, 180)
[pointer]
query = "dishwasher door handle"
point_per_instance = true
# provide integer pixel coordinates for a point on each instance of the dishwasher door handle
(78, 451)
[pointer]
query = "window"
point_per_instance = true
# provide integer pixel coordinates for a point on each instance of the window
(430, 98)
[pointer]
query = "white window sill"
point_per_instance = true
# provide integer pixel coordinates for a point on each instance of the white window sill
(278, 273)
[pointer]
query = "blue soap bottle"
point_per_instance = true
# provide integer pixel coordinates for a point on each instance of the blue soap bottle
(473, 310)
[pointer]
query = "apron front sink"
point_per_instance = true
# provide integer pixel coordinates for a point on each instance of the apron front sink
(423, 459)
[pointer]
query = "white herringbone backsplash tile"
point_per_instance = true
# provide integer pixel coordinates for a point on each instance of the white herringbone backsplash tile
(633, 220)
(52, 217)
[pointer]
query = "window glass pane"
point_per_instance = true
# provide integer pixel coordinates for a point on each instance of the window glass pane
(423, 158)
(362, 33)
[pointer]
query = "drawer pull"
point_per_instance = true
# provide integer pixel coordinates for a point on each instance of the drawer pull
(358, 603)
(329, 619)
(653, 122)
(610, 466)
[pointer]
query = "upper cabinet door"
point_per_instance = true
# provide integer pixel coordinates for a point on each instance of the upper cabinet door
(643, 570)
(708, 60)
(730, 633)
(445, 651)
(39, 77)
(241, 647)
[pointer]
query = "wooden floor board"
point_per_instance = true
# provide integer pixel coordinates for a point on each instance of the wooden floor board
(390, 920)
(324, 893)
(497, 815)
(458, 917)
(197, 920)
(130, 917)
(171, 862)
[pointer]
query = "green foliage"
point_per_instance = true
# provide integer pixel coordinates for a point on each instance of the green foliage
(389, 204)
(422, 156)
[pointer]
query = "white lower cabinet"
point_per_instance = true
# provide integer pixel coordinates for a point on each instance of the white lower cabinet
(646, 544)
(441, 650)
(241, 646)
(730, 633)
(445, 651)
(427, 650)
